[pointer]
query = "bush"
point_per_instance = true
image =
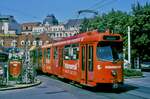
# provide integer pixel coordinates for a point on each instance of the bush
(132, 72)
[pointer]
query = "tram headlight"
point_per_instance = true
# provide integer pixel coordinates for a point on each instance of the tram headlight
(114, 73)
(99, 67)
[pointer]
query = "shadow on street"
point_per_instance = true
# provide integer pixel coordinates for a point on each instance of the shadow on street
(101, 88)
(109, 89)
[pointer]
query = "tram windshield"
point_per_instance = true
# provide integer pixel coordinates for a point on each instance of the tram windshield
(109, 51)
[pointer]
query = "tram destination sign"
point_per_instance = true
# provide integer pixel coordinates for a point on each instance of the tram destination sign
(111, 37)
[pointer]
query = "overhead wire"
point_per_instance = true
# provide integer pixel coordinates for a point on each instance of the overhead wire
(104, 4)
(100, 4)
(97, 4)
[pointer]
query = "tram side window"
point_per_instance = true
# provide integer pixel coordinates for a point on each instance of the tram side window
(75, 54)
(40, 56)
(90, 62)
(71, 52)
(44, 55)
(66, 52)
(55, 53)
(48, 53)
(40, 53)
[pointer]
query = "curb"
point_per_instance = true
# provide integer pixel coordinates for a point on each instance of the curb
(133, 77)
(21, 87)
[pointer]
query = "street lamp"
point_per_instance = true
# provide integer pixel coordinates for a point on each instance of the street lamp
(28, 74)
(37, 50)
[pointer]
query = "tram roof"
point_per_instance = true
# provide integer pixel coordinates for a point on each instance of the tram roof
(91, 36)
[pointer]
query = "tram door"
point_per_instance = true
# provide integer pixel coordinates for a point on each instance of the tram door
(60, 60)
(87, 63)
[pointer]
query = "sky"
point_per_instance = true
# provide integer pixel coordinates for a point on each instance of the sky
(37, 10)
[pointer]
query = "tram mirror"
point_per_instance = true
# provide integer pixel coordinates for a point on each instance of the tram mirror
(77, 48)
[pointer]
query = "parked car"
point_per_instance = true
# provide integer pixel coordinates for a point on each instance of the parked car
(145, 65)
(1, 71)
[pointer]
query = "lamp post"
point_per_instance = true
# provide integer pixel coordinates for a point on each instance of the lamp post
(28, 74)
(37, 49)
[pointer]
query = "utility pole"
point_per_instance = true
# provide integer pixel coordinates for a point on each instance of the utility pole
(129, 47)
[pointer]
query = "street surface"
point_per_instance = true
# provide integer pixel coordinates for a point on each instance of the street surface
(53, 88)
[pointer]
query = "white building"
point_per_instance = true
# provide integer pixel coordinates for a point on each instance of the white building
(38, 30)
(52, 28)
(30, 27)
(56, 31)
(8, 25)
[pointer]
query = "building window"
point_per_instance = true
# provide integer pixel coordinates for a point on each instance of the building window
(60, 34)
(47, 42)
(34, 43)
(2, 43)
(66, 35)
(29, 43)
(14, 43)
(40, 43)
(26, 28)
(22, 42)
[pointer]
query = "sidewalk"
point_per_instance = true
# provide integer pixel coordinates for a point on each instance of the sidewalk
(143, 81)
(21, 86)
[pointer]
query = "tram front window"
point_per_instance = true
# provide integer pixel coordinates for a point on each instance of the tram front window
(109, 51)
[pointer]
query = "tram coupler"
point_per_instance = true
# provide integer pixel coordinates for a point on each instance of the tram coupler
(115, 86)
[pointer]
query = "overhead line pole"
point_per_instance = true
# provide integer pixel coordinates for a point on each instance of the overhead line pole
(129, 46)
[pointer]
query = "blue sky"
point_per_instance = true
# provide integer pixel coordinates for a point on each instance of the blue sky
(36, 10)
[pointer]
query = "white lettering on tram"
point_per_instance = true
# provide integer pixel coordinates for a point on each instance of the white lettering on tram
(71, 66)
(112, 67)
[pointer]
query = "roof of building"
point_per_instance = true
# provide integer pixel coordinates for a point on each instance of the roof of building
(51, 20)
(6, 16)
(74, 22)
(32, 23)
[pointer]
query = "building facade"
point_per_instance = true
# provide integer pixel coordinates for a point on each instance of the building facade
(8, 25)
(26, 28)
(37, 30)
(19, 40)
(8, 40)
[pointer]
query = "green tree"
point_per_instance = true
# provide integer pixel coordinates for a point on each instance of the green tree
(140, 31)
(118, 21)
(85, 25)
(115, 21)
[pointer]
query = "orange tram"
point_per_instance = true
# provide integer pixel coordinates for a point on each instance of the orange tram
(90, 58)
